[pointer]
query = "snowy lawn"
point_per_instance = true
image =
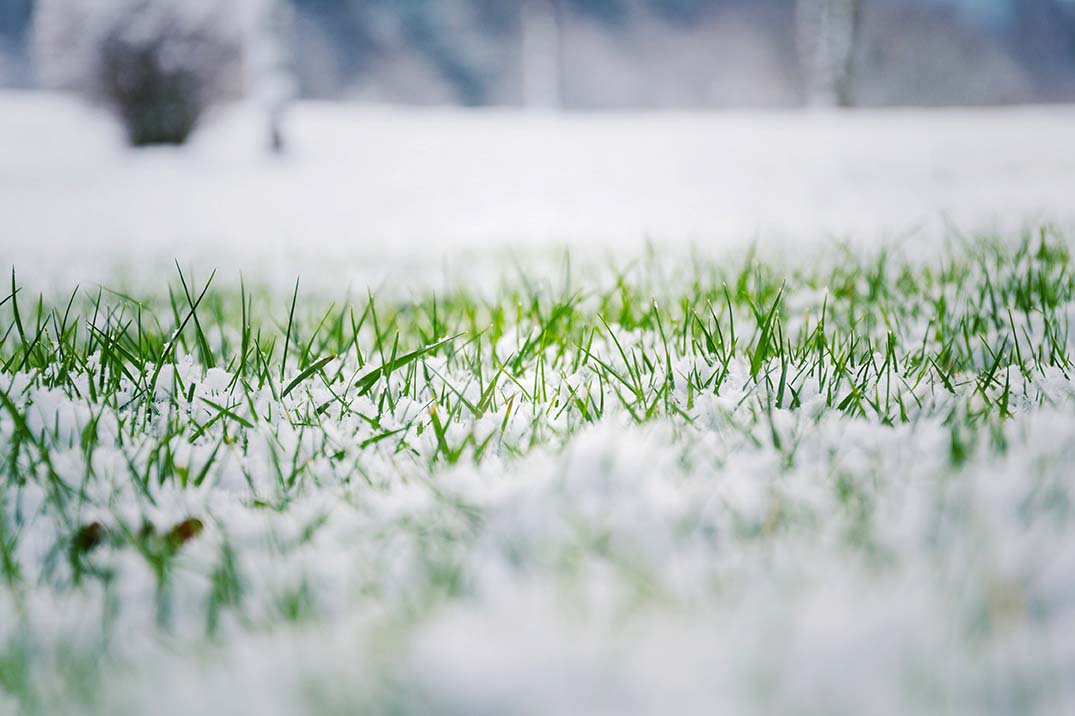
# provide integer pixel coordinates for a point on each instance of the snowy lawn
(453, 473)
(371, 196)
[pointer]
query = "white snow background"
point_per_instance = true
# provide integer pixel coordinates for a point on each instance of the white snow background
(399, 200)
(367, 194)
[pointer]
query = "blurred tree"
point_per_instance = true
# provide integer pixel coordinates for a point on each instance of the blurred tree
(160, 64)
(936, 55)
(663, 52)
(455, 38)
(268, 63)
(1044, 35)
(827, 34)
(539, 22)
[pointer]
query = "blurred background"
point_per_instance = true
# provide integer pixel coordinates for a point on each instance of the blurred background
(325, 136)
(616, 54)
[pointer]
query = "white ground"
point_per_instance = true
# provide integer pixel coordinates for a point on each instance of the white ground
(749, 622)
(433, 188)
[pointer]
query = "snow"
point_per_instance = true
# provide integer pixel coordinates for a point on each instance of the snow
(371, 194)
(630, 572)
(794, 623)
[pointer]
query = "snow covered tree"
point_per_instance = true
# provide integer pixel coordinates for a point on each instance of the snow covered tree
(827, 33)
(268, 63)
(158, 64)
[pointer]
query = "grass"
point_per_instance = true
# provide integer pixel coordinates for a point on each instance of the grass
(206, 467)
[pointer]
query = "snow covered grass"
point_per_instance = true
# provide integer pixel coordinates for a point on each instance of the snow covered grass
(678, 484)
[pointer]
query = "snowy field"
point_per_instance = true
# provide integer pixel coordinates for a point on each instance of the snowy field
(364, 192)
(601, 414)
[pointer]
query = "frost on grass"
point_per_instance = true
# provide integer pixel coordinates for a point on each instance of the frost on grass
(717, 489)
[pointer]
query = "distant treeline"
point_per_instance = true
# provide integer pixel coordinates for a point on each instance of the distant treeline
(653, 53)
